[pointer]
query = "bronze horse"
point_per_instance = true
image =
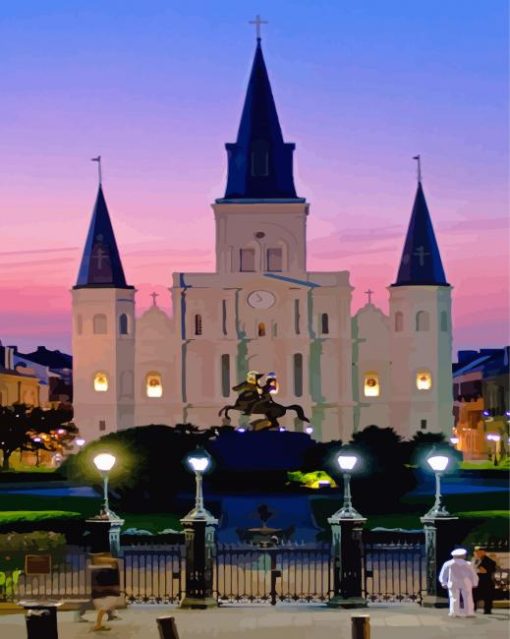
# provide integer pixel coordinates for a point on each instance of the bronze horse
(270, 409)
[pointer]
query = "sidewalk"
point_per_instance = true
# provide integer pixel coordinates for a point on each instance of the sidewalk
(285, 622)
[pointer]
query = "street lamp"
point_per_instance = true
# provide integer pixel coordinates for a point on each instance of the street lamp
(438, 463)
(79, 442)
(347, 461)
(104, 462)
(199, 461)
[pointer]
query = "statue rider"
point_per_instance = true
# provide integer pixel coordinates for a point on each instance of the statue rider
(269, 389)
(249, 392)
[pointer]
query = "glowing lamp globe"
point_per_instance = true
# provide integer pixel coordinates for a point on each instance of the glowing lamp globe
(347, 462)
(79, 442)
(438, 463)
(198, 463)
(104, 462)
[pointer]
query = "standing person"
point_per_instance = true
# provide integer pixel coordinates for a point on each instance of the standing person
(459, 576)
(485, 568)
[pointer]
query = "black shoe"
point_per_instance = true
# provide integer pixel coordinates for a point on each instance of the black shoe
(487, 612)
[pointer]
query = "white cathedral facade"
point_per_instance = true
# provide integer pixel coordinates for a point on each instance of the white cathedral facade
(261, 309)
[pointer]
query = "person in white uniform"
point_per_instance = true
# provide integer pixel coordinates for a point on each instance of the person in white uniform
(459, 577)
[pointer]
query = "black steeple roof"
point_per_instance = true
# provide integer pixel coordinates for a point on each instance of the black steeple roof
(100, 265)
(421, 261)
(260, 162)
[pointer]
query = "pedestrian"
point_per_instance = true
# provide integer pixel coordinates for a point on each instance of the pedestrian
(105, 592)
(459, 577)
(485, 569)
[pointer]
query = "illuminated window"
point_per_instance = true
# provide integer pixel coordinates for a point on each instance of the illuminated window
(247, 258)
(101, 382)
(324, 323)
(444, 321)
(399, 322)
(261, 329)
(153, 386)
(274, 260)
(99, 324)
(371, 385)
(423, 380)
(422, 321)
(198, 325)
(123, 324)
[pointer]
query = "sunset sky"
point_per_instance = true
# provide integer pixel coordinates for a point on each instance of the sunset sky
(156, 87)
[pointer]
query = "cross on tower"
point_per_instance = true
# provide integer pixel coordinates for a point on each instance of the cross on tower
(154, 297)
(369, 294)
(99, 170)
(421, 254)
(257, 22)
(99, 256)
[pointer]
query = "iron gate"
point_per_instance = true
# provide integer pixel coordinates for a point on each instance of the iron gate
(291, 573)
(153, 575)
(394, 571)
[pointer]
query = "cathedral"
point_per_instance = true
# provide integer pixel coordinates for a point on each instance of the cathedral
(261, 309)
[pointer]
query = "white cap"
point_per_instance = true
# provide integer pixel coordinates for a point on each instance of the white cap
(459, 552)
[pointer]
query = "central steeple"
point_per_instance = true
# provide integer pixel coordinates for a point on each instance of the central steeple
(260, 162)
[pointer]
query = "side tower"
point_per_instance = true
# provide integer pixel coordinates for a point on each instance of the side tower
(103, 333)
(421, 332)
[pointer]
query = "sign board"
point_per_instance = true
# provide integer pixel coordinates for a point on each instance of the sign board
(37, 564)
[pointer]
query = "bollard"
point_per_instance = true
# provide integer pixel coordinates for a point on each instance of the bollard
(361, 627)
(167, 628)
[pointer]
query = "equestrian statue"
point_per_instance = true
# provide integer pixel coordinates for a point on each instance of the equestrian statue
(254, 399)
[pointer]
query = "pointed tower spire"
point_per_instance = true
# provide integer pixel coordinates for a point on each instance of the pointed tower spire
(100, 265)
(421, 260)
(260, 162)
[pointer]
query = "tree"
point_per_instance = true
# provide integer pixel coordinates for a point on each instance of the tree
(382, 477)
(422, 444)
(25, 428)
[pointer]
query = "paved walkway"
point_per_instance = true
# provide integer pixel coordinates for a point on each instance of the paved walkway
(285, 622)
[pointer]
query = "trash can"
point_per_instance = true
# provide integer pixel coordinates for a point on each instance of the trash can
(167, 628)
(41, 619)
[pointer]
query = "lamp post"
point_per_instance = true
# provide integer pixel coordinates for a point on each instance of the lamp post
(346, 532)
(496, 438)
(439, 535)
(199, 534)
(438, 463)
(105, 527)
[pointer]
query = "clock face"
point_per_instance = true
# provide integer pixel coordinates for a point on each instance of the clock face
(261, 299)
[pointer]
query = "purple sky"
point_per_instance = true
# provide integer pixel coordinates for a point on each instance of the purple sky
(157, 90)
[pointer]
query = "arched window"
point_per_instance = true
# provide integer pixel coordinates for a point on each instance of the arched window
(275, 260)
(324, 323)
(123, 324)
(99, 324)
(260, 159)
(198, 325)
(422, 321)
(298, 374)
(444, 321)
(261, 329)
(79, 324)
(371, 385)
(274, 330)
(224, 316)
(423, 380)
(153, 385)
(225, 375)
(101, 382)
(247, 260)
(399, 322)
(297, 317)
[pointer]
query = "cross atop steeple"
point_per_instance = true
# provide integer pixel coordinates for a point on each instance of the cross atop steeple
(257, 22)
(154, 298)
(369, 294)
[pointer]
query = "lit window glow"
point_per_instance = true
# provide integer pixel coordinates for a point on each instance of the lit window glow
(423, 380)
(154, 387)
(372, 387)
(101, 382)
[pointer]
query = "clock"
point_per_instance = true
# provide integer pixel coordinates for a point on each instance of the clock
(261, 299)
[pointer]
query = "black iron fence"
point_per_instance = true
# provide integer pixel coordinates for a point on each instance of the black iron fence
(290, 572)
(393, 571)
